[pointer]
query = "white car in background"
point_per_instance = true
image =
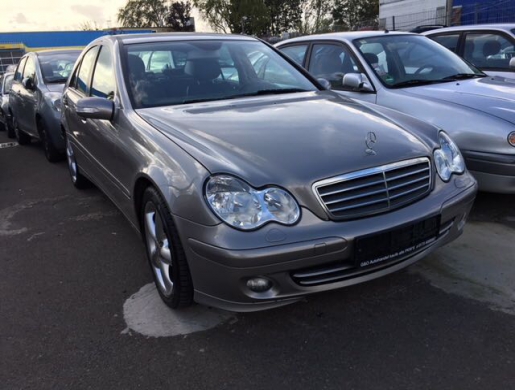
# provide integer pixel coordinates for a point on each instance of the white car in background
(489, 47)
(414, 75)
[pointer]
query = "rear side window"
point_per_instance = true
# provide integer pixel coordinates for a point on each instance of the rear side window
(84, 75)
(103, 79)
(450, 41)
(297, 53)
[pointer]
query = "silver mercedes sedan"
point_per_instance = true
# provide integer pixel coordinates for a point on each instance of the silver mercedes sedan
(252, 186)
(413, 74)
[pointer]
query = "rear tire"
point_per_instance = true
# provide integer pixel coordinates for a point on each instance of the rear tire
(165, 252)
(21, 137)
(78, 180)
(10, 129)
(51, 152)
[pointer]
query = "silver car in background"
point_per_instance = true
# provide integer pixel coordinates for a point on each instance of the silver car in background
(490, 47)
(412, 74)
(252, 190)
(5, 112)
(35, 98)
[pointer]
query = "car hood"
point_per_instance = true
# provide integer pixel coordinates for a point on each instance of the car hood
(52, 87)
(288, 140)
(491, 95)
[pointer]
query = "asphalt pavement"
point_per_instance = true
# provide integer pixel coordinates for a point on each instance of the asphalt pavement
(70, 264)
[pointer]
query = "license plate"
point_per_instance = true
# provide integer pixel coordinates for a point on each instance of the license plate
(388, 246)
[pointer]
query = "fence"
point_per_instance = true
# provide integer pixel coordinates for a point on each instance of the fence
(498, 12)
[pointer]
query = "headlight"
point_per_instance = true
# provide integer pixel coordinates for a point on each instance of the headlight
(243, 207)
(511, 138)
(55, 100)
(448, 159)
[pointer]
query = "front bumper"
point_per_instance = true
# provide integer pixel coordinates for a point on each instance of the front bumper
(222, 259)
(494, 172)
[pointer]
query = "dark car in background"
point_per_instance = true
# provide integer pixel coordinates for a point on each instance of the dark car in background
(5, 112)
(35, 98)
(250, 184)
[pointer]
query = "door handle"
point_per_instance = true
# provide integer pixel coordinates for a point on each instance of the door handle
(83, 120)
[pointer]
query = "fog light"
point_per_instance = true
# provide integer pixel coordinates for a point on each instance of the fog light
(259, 284)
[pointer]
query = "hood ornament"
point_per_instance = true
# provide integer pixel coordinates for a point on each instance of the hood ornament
(370, 141)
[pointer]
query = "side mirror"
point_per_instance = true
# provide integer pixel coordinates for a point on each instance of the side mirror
(512, 63)
(324, 83)
(95, 108)
(356, 81)
(28, 83)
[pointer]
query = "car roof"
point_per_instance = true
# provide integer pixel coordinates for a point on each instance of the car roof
(57, 51)
(475, 27)
(347, 36)
(167, 37)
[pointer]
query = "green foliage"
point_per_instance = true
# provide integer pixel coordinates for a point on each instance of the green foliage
(284, 15)
(355, 14)
(155, 13)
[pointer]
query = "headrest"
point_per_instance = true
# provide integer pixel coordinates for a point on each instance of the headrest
(46, 69)
(491, 47)
(371, 58)
(203, 68)
(136, 66)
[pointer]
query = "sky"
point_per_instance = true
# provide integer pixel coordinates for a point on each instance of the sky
(58, 15)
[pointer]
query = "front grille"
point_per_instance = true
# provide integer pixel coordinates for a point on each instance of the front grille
(375, 190)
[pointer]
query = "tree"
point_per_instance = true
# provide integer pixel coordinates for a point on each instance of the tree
(144, 13)
(236, 16)
(179, 16)
(283, 15)
(89, 26)
(354, 14)
(317, 16)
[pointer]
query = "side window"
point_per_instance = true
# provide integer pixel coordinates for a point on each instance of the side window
(84, 75)
(19, 69)
(297, 53)
(331, 62)
(104, 83)
(30, 69)
(489, 50)
(450, 41)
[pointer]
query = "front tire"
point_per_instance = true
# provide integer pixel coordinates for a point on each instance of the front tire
(21, 137)
(165, 252)
(51, 152)
(78, 180)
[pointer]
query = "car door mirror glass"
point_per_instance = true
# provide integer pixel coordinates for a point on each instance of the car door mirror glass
(95, 108)
(512, 63)
(324, 83)
(28, 83)
(356, 82)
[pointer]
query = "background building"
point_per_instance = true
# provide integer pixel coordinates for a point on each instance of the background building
(408, 14)
(13, 45)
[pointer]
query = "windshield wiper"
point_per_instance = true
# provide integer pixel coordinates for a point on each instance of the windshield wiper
(414, 83)
(462, 76)
(274, 91)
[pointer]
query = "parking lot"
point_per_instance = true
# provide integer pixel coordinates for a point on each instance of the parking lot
(78, 310)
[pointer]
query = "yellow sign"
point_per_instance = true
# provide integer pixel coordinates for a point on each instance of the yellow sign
(10, 46)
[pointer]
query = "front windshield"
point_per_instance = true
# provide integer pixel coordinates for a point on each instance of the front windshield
(411, 60)
(181, 72)
(56, 67)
